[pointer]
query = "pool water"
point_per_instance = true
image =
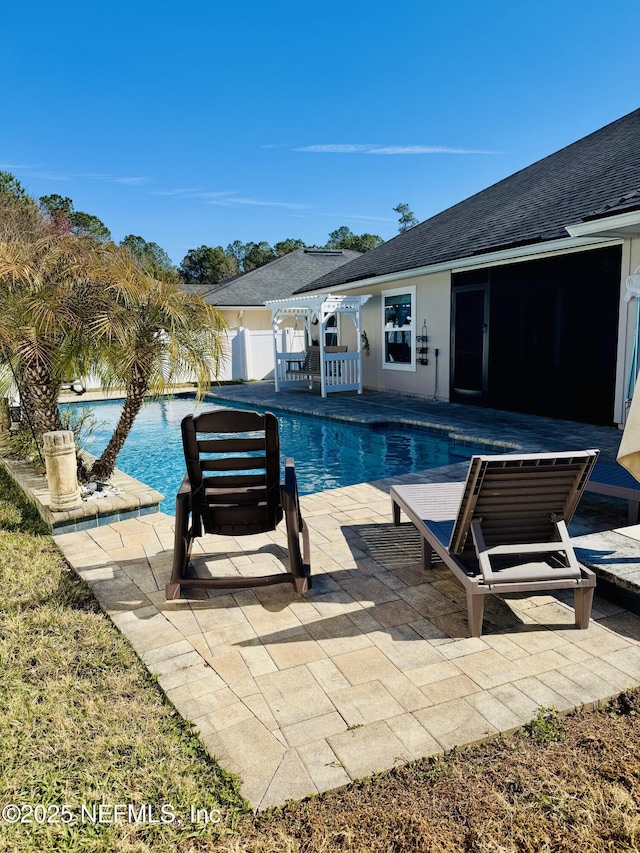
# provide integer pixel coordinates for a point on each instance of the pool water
(327, 453)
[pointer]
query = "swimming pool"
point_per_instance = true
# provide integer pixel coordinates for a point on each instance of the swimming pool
(328, 453)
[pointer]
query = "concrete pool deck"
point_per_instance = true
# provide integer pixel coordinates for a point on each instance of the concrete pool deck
(375, 665)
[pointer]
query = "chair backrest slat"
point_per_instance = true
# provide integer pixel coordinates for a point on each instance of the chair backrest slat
(233, 463)
(231, 445)
(237, 482)
(517, 496)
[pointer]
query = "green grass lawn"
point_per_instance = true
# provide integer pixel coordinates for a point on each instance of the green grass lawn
(81, 720)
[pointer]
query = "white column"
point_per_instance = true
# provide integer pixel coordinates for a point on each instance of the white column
(358, 322)
(62, 470)
(323, 329)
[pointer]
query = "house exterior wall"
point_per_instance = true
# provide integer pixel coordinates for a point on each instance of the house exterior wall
(247, 318)
(433, 301)
(433, 304)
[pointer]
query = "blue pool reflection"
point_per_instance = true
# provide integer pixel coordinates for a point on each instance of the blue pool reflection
(328, 454)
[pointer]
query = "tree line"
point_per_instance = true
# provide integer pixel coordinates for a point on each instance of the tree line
(213, 264)
(205, 265)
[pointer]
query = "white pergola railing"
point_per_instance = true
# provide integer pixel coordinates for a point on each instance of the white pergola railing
(336, 371)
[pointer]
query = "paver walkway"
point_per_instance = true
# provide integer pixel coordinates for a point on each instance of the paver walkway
(373, 667)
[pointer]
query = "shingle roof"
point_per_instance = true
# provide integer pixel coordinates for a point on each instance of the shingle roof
(280, 278)
(597, 176)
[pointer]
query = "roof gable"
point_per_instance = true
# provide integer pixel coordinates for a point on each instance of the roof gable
(280, 278)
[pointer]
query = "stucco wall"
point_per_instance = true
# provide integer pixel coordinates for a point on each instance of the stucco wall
(433, 304)
(252, 318)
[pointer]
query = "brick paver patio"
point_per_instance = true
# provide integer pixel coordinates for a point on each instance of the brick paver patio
(373, 667)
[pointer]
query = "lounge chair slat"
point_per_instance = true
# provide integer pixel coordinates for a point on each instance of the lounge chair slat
(556, 484)
(244, 480)
(233, 463)
(511, 507)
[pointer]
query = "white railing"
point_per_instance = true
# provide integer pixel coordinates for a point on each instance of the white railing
(342, 371)
(286, 361)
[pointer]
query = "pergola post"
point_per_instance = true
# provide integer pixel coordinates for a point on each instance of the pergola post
(323, 372)
(274, 328)
(358, 324)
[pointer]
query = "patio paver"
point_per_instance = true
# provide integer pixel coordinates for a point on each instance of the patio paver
(375, 666)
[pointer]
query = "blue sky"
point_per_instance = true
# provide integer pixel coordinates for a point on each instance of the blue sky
(194, 123)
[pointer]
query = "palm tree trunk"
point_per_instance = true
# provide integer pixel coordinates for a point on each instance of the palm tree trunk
(102, 469)
(39, 399)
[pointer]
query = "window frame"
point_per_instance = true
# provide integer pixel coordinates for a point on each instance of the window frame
(409, 328)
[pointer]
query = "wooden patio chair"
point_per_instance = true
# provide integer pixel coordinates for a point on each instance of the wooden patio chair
(232, 488)
(505, 529)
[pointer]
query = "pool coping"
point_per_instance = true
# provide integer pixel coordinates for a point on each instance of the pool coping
(135, 499)
(452, 431)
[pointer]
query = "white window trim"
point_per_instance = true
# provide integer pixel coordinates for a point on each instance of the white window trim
(398, 291)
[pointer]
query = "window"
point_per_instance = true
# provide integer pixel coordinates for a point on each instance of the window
(398, 329)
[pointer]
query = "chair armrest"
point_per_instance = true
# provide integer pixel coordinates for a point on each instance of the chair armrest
(289, 492)
(296, 528)
(290, 485)
(184, 509)
(185, 487)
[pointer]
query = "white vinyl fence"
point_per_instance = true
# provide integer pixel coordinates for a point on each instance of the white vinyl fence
(248, 355)
(250, 352)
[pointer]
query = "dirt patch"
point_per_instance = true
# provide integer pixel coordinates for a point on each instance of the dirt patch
(569, 784)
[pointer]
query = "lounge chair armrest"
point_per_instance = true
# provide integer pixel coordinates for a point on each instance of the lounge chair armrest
(183, 505)
(296, 527)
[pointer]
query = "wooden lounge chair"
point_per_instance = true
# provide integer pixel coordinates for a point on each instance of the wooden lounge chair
(505, 528)
(613, 480)
(232, 488)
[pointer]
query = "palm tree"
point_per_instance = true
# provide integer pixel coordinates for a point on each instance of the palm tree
(69, 305)
(157, 334)
(45, 288)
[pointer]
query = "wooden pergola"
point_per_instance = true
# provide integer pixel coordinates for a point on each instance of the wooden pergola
(327, 361)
